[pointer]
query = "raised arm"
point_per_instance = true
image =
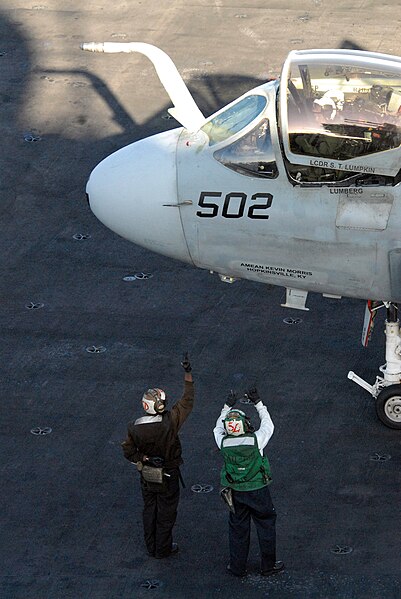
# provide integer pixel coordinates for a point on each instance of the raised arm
(219, 431)
(182, 409)
(265, 431)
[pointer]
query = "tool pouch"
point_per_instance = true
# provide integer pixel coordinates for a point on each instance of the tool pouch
(153, 475)
(227, 496)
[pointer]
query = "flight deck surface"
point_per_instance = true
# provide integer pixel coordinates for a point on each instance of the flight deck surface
(89, 321)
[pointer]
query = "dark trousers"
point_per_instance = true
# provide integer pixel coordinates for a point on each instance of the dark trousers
(159, 514)
(257, 505)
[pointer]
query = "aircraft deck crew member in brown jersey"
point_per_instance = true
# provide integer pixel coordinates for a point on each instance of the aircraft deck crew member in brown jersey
(153, 445)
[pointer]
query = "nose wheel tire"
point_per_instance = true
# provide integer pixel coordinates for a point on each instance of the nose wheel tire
(388, 406)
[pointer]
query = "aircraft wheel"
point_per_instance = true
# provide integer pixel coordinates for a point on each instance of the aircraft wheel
(388, 406)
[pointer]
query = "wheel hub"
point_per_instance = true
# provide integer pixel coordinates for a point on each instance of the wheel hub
(392, 408)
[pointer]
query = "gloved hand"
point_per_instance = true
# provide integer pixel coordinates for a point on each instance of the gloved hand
(253, 395)
(231, 399)
(185, 363)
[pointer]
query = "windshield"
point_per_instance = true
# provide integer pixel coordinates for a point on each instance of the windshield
(252, 154)
(233, 119)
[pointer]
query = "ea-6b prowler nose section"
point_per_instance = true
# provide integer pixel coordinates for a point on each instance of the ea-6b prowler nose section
(296, 183)
(134, 191)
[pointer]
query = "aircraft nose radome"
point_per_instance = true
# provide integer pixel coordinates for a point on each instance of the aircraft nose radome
(127, 191)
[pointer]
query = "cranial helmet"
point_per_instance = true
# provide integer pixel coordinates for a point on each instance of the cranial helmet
(331, 101)
(236, 423)
(154, 401)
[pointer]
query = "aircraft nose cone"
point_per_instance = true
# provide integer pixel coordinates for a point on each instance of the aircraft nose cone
(128, 189)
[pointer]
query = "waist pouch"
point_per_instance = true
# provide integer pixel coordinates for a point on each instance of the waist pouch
(151, 474)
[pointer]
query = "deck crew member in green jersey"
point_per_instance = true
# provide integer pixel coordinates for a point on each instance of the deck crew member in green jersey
(246, 472)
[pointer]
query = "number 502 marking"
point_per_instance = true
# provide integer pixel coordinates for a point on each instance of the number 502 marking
(255, 211)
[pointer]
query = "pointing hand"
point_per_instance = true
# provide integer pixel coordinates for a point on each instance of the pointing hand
(185, 363)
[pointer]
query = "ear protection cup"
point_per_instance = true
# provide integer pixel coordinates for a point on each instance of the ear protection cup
(248, 426)
(159, 398)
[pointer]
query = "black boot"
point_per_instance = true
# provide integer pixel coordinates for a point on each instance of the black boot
(278, 567)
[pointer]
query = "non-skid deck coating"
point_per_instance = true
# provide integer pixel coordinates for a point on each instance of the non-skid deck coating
(70, 503)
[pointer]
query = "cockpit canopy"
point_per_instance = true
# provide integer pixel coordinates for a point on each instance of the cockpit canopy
(340, 110)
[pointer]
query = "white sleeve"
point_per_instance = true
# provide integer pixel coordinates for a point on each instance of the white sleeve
(219, 431)
(265, 431)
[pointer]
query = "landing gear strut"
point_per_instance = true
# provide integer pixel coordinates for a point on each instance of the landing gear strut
(387, 388)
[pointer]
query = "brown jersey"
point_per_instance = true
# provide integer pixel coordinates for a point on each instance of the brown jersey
(157, 435)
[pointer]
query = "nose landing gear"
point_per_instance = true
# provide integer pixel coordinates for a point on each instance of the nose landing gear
(387, 388)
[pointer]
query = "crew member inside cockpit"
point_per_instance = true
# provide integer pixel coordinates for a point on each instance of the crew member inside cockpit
(329, 104)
